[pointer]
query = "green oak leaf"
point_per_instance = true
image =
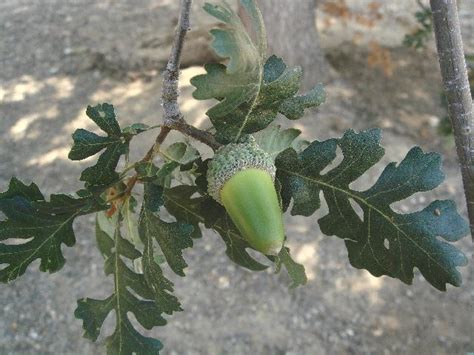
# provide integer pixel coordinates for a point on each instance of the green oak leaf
(251, 91)
(135, 129)
(295, 271)
(274, 140)
(423, 33)
(87, 144)
(181, 153)
(179, 201)
(383, 241)
(293, 107)
(147, 295)
(149, 172)
(42, 226)
(178, 154)
(146, 170)
(172, 238)
(281, 84)
(130, 223)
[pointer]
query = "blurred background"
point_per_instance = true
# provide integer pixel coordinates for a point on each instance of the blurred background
(378, 63)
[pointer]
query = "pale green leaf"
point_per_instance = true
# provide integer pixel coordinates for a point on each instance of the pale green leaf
(274, 140)
(295, 271)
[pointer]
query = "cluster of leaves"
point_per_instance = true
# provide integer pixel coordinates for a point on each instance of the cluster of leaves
(139, 288)
(423, 33)
(137, 245)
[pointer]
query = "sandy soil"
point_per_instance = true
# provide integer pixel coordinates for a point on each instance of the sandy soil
(58, 56)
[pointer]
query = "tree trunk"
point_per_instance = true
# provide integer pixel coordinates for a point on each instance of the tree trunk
(292, 35)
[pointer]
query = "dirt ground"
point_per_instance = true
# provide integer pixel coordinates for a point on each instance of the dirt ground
(58, 56)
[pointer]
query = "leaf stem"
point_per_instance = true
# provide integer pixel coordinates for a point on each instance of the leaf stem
(193, 132)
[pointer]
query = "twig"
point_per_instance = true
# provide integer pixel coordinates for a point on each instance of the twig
(200, 135)
(173, 118)
(456, 84)
(172, 113)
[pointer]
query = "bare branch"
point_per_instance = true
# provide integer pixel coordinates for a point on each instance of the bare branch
(171, 76)
(173, 118)
(456, 84)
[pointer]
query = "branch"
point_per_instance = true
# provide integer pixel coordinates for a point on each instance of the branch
(200, 135)
(173, 118)
(170, 95)
(456, 84)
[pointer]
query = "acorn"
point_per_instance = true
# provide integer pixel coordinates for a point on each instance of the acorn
(241, 178)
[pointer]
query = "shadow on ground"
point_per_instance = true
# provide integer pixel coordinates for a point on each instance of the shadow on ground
(227, 309)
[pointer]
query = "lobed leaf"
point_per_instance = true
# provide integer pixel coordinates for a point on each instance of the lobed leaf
(35, 228)
(181, 153)
(274, 140)
(295, 271)
(87, 144)
(178, 154)
(293, 107)
(383, 241)
(250, 91)
(147, 295)
(135, 128)
(172, 238)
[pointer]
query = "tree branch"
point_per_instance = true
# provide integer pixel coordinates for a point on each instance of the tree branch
(456, 84)
(200, 135)
(169, 94)
(173, 118)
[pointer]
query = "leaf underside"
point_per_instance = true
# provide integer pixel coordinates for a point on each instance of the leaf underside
(35, 228)
(382, 241)
(274, 140)
(251, 91)
(146, 293)
(127, 286)
(295, 271)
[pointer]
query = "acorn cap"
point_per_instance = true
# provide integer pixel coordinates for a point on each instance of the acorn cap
(233, 158)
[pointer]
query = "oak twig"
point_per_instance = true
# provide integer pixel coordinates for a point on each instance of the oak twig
(169, 94)
(200, 135)
(456, 84)
(173, 118)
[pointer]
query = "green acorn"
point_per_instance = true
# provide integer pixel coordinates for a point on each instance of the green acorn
(241, 178)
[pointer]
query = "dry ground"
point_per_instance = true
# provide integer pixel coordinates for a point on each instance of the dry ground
(58, 56)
